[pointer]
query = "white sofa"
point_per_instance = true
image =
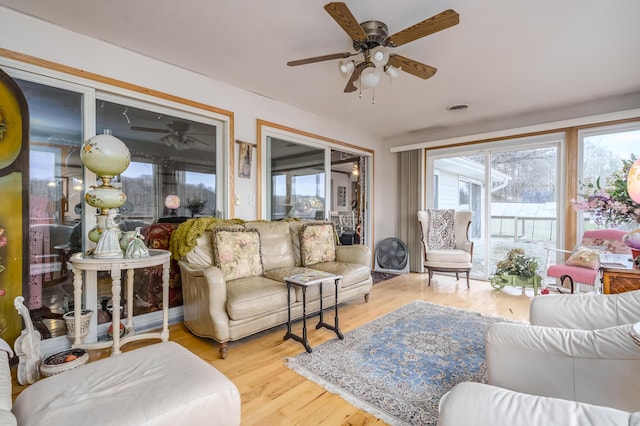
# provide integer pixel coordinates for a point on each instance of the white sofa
(480, 404)
(226, 309)
(161, 384)
(576, 364)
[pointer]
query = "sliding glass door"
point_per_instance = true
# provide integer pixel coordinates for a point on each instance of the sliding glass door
(512, 193)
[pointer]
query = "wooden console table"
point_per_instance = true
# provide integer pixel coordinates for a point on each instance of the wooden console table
(82, 262)
(618, 274)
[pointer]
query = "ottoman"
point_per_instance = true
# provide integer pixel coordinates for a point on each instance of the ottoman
(160, 384)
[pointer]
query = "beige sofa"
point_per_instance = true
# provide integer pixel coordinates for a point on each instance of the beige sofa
(224, 305)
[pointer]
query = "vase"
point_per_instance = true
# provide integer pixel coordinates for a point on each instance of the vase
(85, 320)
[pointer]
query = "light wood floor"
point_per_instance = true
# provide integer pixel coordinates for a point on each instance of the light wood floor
(272, 394)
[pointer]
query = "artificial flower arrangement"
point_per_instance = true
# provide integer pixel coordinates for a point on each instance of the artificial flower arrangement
(518, 264)
(610, 204)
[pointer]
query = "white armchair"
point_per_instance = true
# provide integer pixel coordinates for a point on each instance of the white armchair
(445, 241)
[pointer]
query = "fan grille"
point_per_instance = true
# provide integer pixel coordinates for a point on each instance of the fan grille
(392, 253)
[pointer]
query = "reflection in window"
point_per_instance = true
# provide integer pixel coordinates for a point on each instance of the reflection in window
(297, 180)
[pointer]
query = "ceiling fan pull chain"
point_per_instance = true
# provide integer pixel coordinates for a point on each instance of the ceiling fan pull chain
(373, 95)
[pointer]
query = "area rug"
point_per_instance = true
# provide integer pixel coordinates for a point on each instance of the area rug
(379, 277)
(398, 366)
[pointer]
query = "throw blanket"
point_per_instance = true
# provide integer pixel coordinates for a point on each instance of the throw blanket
(184, 237)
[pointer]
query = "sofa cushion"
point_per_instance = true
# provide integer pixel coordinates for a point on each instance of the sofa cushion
(352, 273)
(276, 246)
(252, 296)
(237, 252)
(317, 243)
(441, 225)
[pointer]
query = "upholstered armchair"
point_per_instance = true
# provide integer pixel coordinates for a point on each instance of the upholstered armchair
(582, 266)
(578, 348)
(445, 241)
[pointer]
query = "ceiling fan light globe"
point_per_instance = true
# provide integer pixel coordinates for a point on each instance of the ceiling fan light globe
(346, 67)
(392, 72)
(379, 56)
(369, 78)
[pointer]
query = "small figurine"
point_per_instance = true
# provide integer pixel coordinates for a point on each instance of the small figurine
(27, 347)
(137, 247)
(109, 243)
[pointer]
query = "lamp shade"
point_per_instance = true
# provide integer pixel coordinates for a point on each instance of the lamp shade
(369, 78)
(633, 181)
(105, 155)
(346, 67)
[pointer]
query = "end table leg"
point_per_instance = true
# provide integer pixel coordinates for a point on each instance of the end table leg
(337, 326)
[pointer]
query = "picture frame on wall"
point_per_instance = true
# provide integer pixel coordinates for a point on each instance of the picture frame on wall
(342, 196)
(244, 160)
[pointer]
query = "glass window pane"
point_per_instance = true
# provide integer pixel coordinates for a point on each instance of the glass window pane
(55, 192)
(298, 180)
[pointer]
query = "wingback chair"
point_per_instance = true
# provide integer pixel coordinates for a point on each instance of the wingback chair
(582, 265)
(445, 241)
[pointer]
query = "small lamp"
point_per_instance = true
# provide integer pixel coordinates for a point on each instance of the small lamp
(172, 202)
(633, 181)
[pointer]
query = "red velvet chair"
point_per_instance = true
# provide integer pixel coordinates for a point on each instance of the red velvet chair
(572, 275)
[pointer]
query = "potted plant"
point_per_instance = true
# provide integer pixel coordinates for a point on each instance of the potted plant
(517, 269)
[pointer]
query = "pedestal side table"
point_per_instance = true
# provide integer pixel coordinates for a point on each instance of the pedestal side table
(83, 262)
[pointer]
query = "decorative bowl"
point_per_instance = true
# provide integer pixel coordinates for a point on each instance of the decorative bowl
(63, 361)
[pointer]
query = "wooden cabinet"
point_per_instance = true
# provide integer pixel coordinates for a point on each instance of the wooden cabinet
(620, 279)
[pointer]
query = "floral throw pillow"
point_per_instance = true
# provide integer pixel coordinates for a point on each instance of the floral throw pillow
(441, 225)
(317, 243)
(237, 252)
(584, 257)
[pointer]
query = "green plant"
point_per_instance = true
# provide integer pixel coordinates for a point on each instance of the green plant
(517, 263)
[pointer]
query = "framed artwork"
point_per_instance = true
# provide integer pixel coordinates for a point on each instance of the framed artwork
(244, 163)
(342, 196)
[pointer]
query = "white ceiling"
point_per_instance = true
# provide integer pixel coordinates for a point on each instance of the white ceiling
(508, 60)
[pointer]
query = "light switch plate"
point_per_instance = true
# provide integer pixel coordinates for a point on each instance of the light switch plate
(238, 202)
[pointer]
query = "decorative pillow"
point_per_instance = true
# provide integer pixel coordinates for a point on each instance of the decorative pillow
(317, 243)
(237, 252)
(584, 257)
(441, 225)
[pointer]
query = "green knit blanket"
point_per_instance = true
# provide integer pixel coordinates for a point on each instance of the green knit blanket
(183, 239)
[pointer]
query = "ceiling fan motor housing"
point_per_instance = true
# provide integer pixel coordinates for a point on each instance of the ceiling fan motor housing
(376, 34)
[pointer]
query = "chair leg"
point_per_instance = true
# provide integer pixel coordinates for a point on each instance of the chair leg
(457, 277)
(467, 279)
(430, 275)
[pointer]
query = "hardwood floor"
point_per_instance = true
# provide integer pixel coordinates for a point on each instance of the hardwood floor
(272, 394)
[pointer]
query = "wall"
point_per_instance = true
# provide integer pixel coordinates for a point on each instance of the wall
(24, 34)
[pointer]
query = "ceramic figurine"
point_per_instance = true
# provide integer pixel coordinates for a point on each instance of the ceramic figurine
(137, 247)
(27, 347)
(109, 243)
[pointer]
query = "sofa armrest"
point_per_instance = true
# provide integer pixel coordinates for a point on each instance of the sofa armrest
(585, 311)
(204, 292)
(6, 416)
(485, 405)
(599, 367)
(359, 254)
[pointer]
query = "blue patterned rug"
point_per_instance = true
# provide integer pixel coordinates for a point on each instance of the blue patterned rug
(398, 366)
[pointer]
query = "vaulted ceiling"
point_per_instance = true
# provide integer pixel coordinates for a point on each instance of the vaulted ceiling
(511, 62)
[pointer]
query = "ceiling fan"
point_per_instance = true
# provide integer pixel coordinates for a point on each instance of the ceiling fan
(177, 135)
(371, 39)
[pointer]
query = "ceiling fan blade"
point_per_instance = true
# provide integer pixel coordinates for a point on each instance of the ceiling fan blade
(412, 67)
(150, 129)
(436, 23)
(343, 16)
(355, 75)
(320, 58)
